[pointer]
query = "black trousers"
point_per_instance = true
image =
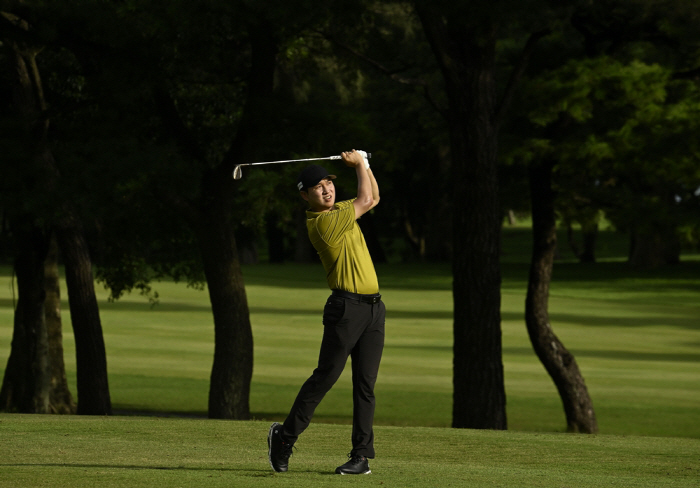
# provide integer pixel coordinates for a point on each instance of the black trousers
(350, 328)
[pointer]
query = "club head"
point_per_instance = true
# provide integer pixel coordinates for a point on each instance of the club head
(237, 172)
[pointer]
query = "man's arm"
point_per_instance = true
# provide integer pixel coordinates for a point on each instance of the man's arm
(375, 188)
(367, 188)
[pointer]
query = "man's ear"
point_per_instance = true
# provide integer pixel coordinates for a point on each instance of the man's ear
(304, 195)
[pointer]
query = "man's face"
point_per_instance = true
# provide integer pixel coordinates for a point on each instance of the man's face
(321, 197)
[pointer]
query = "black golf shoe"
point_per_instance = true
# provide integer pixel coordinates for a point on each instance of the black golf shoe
(356, 465)
(279, 449)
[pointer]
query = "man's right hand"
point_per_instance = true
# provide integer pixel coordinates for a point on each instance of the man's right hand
(352, 158)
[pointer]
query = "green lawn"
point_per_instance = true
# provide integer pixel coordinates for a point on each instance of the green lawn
(135, 452)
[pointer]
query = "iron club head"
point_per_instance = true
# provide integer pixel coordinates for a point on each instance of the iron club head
(237, 172)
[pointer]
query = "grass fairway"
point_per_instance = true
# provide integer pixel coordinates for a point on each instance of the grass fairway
(135, 452)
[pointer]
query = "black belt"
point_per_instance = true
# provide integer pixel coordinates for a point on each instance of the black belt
(375, 298)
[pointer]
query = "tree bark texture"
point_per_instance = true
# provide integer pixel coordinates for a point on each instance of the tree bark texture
(60, 398)
(25, 387)
(90, 353)
(466, 55)
(232, 370)
(557, 360)
(29, 101)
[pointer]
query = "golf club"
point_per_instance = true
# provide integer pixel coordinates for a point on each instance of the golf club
(238, 174)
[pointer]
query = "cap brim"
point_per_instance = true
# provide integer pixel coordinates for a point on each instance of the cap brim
(332, 177)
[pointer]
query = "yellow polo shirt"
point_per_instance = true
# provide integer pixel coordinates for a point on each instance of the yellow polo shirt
(341, 246)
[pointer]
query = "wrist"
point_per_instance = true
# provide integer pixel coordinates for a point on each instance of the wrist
(365, 159)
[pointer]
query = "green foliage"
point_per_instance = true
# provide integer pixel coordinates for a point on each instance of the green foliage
(622, 134)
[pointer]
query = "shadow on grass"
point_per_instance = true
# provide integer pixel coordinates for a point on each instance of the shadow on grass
(256, 416)
(145, 307)
(685, 321)
(318, 418)
(260, 472)
(129, 412)
(579, 353)
(438, 276)
(615, 354)
(681, 320)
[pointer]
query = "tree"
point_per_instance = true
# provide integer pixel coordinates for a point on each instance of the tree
(463, 38)
(650, 175)
(26, 383)
(628, 149)
(557, 360)
(598, 136)
(30, 104)
(35, 376)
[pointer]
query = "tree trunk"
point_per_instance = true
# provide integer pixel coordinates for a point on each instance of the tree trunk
(90, 354)
(276, 248)
(26, 383)
(466, 55)
(60, 399)
(369, 230)
(557, 360)
(653, 248)
(229, 391)
(304, 252)
(590, 237)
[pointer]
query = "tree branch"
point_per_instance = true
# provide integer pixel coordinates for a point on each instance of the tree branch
(392, 74)
(185, 141)
(173, 122)
(517, 73)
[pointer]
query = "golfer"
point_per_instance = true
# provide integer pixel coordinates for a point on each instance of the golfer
(353, 317)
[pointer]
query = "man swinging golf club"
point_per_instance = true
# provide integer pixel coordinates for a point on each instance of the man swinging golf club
(353, 316)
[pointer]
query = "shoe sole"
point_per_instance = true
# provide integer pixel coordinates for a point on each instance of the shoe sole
(366, 472)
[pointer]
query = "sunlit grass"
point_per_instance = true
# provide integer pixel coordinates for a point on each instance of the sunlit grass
(139, 452)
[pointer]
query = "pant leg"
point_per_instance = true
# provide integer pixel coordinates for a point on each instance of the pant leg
(366, 356)
(339, 337)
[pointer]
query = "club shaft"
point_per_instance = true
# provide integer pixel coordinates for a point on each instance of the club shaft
(290, 161)
(238, 174)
